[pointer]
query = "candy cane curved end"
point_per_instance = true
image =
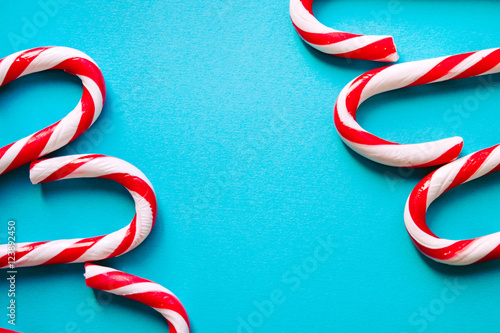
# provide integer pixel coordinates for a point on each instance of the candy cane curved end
(141, 290)
(338, 43)
(71, 126)
(400, 76)
(93, 248)
(453, 252)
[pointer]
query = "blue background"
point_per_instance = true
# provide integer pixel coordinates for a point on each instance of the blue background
(229, 114)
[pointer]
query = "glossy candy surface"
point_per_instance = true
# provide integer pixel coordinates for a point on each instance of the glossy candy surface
(453, 252)
(399, 76)
(339, 43)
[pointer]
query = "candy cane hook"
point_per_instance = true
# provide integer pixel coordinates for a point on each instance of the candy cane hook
(399, 76)
(453, 252)
(338, 43)
(141, 290)
(94, 248)
(70, 127)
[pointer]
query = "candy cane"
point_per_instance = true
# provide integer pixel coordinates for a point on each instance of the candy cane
(4, 330)
(338, 43)
(141, 290)
(399, 76)
(94, 248)
(453, 252)
(70, 127)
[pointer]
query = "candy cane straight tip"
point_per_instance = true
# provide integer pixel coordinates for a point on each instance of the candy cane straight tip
(70, 127)
(338, 43)
(93, 248)
(452, 252)
(400, 76)
(141, 290)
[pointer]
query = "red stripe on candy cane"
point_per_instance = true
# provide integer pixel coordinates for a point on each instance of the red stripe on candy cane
(338, 43)
(70, 127)
(93, 248)
(399, 76)
(141, 290)
(453, 252)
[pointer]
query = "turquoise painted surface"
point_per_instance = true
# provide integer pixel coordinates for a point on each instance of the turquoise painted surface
(229, 114)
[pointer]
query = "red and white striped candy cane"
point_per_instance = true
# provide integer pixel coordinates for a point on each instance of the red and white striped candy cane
(338, 43)
(93, 248)
(141, 290)
(70, 127)
(399, 76)
(453, 252)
